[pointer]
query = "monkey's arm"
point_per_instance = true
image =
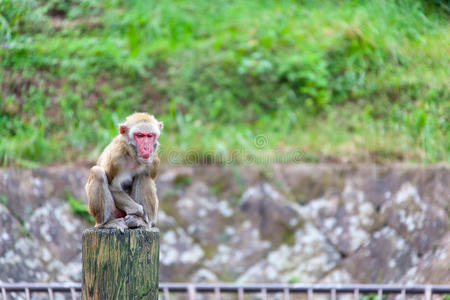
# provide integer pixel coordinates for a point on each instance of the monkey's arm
(125, 202)
(144, 192)
(116, 169)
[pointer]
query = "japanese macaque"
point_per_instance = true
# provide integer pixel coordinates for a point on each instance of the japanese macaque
(121, 190)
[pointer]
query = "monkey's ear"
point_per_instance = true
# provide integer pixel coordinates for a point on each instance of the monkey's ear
(161, 125)
(123, 129)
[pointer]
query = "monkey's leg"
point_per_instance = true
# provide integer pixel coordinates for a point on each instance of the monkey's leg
(125, 202)
(144, 192)
(100, 201)
(134, 221)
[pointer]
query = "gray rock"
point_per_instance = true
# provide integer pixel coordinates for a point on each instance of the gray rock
(22, 262)
(384, 259)
(170, 180)
(422, 224)
(306, 182)
(203, 215)
(241, 248)
(301, 222)
(269, 211)
(346, 220)
(338, 276)
(433, 267)
(9, 230)
(308, 260)
(179, 255)
(204, 275)
(23, 191)
(26, 189)
(54, 225)
(165, 222)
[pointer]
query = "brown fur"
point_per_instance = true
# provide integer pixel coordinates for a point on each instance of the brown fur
(119, 161)
(138, 117)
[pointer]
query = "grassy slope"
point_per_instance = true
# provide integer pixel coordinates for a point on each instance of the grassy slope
(356, 81)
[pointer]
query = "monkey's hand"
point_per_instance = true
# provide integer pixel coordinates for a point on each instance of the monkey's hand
(134, 221)
(137, 210)
(126, 203)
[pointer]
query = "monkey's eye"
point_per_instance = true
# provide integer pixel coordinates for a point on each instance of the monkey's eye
(139, 135)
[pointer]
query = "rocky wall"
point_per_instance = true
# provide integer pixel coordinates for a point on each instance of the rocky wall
(279, 223)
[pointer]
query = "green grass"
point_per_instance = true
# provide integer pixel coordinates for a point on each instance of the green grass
(3, 199)
(79, 208)
(372, 296)
(334, 80)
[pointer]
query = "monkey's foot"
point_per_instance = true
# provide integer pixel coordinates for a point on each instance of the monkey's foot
(133, 221)
(118, 224)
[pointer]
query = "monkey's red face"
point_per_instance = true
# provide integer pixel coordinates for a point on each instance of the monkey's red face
(145, 137)
(144, 143)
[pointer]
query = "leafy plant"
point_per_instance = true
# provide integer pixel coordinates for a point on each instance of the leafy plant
(372, 296)
(363, 81)
(3, 199)
(79, 208)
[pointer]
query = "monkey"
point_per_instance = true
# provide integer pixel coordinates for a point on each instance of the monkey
(121, 190)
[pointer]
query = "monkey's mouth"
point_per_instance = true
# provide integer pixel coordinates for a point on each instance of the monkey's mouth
(145, 151)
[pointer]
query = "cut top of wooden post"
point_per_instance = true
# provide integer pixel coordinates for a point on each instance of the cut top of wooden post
(120, 265)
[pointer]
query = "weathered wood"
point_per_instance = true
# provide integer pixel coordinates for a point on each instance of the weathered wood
(120, 265)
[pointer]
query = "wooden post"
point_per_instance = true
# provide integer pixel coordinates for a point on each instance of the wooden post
(120, 265)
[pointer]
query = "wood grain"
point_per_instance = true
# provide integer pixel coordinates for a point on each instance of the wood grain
(120, 265)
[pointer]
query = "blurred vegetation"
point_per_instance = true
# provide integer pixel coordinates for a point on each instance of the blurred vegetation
(372, 296)
(3, 199)
(338, 80)
(79, 208)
